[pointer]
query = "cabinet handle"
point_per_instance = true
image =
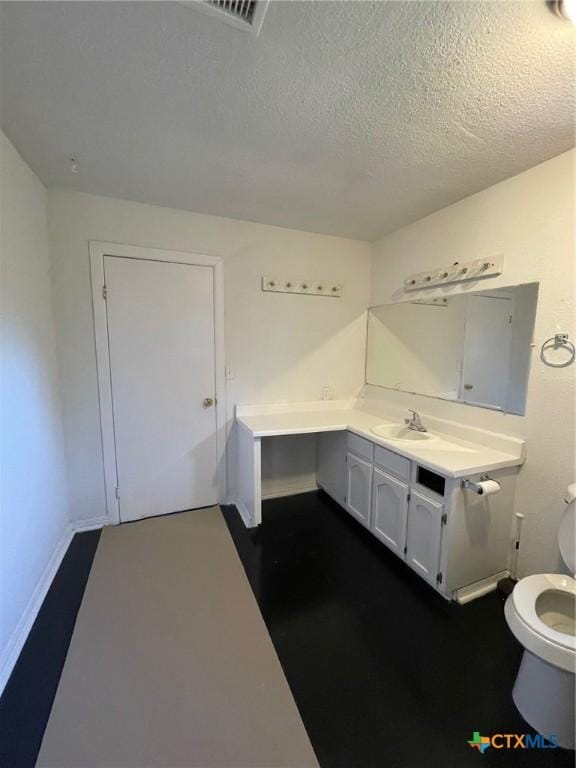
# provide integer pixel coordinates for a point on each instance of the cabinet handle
(468, 386)
(207, 402)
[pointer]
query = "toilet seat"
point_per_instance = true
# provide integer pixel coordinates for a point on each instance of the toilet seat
(549, 644)
(527, 592)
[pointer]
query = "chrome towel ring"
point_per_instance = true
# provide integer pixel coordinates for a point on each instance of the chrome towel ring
(558, 341)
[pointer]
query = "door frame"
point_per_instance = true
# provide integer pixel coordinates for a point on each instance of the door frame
(98, 250)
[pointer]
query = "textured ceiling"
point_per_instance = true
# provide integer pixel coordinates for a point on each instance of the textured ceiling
(351, 118)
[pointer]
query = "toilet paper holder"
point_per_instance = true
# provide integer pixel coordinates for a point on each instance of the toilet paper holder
(475, 487)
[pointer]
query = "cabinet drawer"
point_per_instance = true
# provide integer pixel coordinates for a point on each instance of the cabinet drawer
(360, 446)
(389, 460)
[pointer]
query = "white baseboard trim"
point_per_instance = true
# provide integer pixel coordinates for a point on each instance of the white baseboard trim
(277, 493)
(479, 588)
(91, 525)
(244, 514)
(13, 649)
(340, 501)
(291, 490)
(20, 634)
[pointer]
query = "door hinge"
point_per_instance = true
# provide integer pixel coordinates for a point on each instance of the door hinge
(104, 292)
(439, 578)
(409, 496)
(405, 550)
(444, 518)
(117, 491)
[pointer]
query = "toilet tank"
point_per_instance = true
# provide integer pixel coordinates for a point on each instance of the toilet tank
(567, 530)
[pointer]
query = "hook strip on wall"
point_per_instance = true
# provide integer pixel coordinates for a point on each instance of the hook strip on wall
(312, 287)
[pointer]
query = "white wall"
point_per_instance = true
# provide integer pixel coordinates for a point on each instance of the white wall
(280, 347)
(34, 514)
(530, 219)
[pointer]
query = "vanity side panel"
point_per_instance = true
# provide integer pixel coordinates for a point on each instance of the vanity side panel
(249, 499)
(478, 534)
(331, 464)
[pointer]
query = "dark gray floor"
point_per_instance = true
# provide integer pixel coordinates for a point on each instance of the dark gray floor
(384, 671)
(27, 699)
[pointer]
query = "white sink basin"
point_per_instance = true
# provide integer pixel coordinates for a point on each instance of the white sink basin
(399, 432)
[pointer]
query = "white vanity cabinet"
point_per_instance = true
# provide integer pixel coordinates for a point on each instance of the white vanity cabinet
(408, 494)
(455, 540)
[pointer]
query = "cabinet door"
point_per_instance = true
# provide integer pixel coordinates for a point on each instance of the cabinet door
(423, 536)
(389, 510)
(358, 487)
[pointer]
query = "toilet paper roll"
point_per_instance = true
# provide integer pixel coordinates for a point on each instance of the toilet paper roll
(488, 487)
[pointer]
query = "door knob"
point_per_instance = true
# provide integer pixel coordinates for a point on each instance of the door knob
(207, 402)
(468, 386)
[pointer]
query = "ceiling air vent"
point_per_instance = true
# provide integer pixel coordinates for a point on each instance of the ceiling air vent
(242, 14)
(239, 9)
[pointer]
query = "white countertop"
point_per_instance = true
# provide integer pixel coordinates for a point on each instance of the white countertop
(445, 453)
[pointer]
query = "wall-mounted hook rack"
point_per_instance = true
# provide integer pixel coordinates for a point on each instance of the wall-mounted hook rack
(311, 287)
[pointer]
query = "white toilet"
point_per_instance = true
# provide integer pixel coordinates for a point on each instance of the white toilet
(540, 613)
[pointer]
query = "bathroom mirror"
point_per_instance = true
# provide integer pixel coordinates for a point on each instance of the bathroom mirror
(472, 348)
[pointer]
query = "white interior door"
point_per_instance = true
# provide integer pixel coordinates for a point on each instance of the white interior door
(161, 340)
(487, 341)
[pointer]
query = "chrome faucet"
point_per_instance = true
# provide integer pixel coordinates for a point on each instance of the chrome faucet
(415, 422)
